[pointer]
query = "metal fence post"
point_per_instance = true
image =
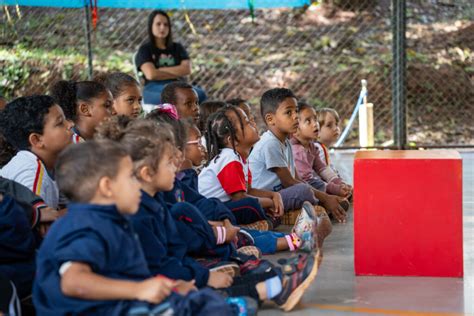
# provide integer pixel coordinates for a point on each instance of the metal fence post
(87, 27)
(399, 73)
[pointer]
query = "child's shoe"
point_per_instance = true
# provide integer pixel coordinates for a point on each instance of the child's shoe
(297, 274)
(263, 225)
(250, 251)
(216, 264)
(324, 225)
(305, 227)
(243, 239)
(243, 305)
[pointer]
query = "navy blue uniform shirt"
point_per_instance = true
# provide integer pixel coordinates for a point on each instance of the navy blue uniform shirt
(164, 249)
(99, 236)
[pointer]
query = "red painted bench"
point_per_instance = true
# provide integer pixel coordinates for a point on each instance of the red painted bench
(408, 213)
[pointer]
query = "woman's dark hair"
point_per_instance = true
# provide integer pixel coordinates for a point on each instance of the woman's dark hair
(219, 127)
(151, 37)
(116, 82)
(206, 109)
(22, 117)
(179, 127)
(79, 168)
(68, 93)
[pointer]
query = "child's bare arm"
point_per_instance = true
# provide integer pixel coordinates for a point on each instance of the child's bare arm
(80, 281)
(264, 201)
(273, 199)
(331, 204)
(285, 176)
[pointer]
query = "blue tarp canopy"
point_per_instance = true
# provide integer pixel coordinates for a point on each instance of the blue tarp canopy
(163, 4)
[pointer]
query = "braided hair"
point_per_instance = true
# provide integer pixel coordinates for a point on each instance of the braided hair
(220, 126)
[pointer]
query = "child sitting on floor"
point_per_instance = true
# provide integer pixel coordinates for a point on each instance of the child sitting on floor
(126, 93)
(244, 105)
(86, 103)
(307, 160)
(91, 261)
(36, 126)
(184, 98)
(230, 137)
(272, 163)
(329, 133)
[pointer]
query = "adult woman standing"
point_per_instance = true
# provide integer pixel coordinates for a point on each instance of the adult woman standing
(161, 60)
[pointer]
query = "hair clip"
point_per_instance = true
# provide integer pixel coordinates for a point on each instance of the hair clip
(169, 109)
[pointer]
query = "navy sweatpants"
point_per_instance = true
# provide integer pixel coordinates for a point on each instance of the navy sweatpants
(203, 302)
(196, 231)
(247, 210)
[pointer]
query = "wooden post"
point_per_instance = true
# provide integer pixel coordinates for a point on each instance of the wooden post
(366, 121)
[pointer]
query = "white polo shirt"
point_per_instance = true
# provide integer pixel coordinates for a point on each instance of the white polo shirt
(27, 169)
(226, 174)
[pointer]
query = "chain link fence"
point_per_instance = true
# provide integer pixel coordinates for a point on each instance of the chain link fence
(321, 52)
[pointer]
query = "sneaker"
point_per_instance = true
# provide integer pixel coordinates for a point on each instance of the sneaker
(250, 251)
(243, 305)
(215, 264)
(305, 227)
(297, 274)
(324, 225)
(243, 239)
(260, 225)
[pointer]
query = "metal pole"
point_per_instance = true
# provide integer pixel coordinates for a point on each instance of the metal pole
(87, 26)
(399, 73)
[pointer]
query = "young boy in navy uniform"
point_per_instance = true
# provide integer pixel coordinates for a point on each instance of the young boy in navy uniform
(91, 261)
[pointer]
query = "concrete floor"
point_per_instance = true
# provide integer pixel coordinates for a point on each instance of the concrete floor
(336, 291)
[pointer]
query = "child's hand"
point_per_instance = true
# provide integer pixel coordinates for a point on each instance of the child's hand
(154, 290)
(331, 204)
(215, 223)
(219, 280)
(184, 287)
(346, 190)
(278, 209)
(231, 230)
(49, 214)
(43, 228)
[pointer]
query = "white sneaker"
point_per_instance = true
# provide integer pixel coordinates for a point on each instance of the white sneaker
(305, 227)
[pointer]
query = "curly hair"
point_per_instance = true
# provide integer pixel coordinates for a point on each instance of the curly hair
(7, 151)
(68, 93)
(143, 139)
(168, 95)
(179, 128)
(79, 168)
(22, 117)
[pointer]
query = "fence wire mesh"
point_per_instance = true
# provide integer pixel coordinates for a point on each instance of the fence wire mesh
(321, 52)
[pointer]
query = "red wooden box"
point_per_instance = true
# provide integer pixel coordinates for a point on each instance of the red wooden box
(408, 213)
